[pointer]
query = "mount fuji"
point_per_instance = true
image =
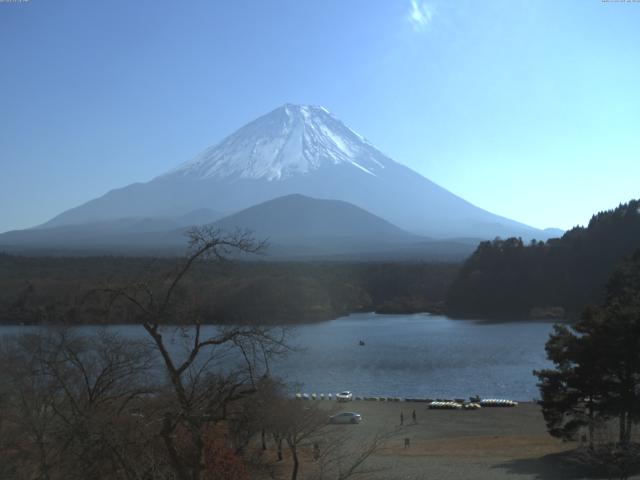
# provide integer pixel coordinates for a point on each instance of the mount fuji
(296, 149)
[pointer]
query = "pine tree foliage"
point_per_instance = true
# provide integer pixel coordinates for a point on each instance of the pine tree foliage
(597, 363)
(506, 278)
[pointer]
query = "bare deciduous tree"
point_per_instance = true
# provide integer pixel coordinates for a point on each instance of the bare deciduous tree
(201, 394)
(67, 405)
(340, 457)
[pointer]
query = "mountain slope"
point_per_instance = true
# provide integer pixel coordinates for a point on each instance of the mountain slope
(305, 150)
(296, 217)
(107, 235)
(291, 140)
(296, 228)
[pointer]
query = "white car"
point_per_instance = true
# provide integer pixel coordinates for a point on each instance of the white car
(345, 396)
(346, 417)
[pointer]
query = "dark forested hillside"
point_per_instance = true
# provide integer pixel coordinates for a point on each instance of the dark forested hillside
(54, 289)
(508, 278)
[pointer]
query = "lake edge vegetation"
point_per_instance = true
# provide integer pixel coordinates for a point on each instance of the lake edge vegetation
(48, 290)
(507, 279)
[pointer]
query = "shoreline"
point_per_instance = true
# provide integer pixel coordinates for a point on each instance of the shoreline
(479, 321)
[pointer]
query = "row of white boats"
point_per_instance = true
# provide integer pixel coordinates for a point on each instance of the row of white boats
(487, 402)
(457, 404)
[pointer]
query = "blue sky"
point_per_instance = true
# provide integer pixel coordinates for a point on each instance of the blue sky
(529, 109)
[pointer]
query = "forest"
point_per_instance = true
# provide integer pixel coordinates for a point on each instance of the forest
(557, 278)
(54, 290)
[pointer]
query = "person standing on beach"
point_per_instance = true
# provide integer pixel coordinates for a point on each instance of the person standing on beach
(413, 416)
(401, 418)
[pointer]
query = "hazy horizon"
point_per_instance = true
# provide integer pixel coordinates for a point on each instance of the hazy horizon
(527, 110)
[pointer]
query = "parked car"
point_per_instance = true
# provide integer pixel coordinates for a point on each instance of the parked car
(346, 417)
(345, 396)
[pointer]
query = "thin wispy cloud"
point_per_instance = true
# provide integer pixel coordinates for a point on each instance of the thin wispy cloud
(420, 14)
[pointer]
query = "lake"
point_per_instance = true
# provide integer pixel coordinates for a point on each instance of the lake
(418, 355)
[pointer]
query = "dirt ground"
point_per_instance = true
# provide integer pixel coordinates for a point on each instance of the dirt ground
(491, 443)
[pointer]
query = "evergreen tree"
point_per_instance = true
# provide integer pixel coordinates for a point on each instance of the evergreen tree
(597, 363)
(505, 278)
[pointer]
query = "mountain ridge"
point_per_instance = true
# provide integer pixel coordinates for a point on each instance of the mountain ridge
(297, 215)
(296, 227)
(305, 150)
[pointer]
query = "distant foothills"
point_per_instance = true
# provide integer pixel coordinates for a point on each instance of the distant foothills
(503, 279)
(297, 176)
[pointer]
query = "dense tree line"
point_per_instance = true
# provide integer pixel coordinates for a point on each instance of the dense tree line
(506, 278)
(46, 289)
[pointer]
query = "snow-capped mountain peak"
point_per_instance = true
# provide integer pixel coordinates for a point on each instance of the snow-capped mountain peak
(299, 149)
(291, 140)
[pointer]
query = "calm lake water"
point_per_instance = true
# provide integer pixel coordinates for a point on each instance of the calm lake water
(406, 355)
